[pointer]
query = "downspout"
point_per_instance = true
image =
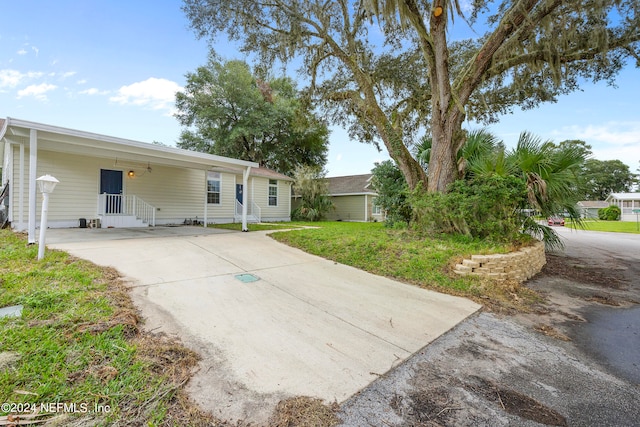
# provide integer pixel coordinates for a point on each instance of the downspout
(245, 198)
(206, 196)
(33, 164)
(21, 190)
(365, 207)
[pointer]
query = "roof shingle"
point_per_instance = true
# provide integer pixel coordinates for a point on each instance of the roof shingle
(352, 184)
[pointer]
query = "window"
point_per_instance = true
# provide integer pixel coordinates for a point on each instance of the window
(213, 188)
(375, 210)
(273, 192)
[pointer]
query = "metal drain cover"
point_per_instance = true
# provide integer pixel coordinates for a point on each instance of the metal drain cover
(247, 278)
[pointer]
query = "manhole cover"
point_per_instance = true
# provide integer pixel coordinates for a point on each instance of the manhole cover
(247, 278)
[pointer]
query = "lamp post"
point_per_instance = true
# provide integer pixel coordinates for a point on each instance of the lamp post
(46, 184)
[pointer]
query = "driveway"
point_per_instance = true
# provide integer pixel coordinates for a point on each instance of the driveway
(271, 321)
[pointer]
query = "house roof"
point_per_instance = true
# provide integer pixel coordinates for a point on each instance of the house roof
(259, 171)
(593, 204)
(350, 185)
(624, 196)
(73, 141)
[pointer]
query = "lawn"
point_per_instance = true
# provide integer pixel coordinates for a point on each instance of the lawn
(407, 257)
(612, 226)
(77, 344)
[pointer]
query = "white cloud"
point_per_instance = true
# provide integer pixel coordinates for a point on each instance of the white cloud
(81, 82)
(339, 157)
(21, 52)
(37, 91)
(12, 78)
(154, 93)
(35, 49)
(609, 141)
(93, 91)
(67, 74)
(614, 133)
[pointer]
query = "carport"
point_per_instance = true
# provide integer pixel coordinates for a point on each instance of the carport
(271, 321)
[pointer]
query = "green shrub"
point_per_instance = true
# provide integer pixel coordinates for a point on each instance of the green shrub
(391, 186)
(313, 190)
(481, 208)
(611, 213)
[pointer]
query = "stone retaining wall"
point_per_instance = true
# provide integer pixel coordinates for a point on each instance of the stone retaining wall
(520, 265)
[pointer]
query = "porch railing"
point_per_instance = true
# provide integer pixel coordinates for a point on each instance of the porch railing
(126, 205)
(253, 211)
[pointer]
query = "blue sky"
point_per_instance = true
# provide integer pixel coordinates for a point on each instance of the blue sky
(112, 67)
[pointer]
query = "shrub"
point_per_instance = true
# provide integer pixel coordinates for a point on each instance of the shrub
(611, 213)
(313, 190)
(391, 186)
(480, 208)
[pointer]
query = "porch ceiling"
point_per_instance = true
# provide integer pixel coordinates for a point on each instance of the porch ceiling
(62, 140)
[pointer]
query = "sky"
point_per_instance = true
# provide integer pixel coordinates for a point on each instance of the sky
(113, 67)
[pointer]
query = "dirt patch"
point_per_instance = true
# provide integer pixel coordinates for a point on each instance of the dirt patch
(515, 402)
(304, 412)
(577, 270)
(550, 331)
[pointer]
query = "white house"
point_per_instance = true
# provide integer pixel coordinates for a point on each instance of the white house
(117, 182)
(627, 202)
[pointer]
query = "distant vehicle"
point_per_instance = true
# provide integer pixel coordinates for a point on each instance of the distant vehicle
(555, 220)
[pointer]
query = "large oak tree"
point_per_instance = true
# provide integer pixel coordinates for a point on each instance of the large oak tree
(388, 68)
(227, 110)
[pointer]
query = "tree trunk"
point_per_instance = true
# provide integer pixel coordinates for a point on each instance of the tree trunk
(445, 123)
(442, 164)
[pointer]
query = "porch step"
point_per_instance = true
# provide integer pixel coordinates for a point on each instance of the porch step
(120, 221)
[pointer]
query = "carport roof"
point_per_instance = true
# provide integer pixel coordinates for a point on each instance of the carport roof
(59, 139)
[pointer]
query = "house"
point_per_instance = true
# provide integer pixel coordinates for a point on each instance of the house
(589, 208)
(113, 182)
(627, 202)
(353, 199)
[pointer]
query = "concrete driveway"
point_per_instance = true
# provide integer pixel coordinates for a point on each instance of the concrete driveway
(304, 326)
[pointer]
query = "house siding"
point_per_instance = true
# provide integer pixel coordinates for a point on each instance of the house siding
(177, 193)
(348, 208)
(259, 189)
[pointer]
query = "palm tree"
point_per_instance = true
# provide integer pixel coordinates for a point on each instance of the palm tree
(550, 173)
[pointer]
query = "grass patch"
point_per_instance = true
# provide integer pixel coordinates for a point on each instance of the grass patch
(408, 257)
(77, 341)
(609, 226)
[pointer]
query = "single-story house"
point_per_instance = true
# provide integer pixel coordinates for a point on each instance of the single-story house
(627, 202)
(113, 182)
(589, 208)
(353, 199)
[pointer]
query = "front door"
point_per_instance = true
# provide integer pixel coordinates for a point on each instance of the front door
(239, 193)
(111, 185)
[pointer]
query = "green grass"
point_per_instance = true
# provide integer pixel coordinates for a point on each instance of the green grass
(399, 254)
(77, 339)
(611, 226)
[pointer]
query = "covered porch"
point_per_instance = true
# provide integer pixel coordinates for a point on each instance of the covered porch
(108, 181)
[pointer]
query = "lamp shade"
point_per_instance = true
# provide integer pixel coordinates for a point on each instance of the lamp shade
(47, 183)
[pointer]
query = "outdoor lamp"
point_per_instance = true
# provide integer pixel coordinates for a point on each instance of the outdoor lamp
(131, 174)
(46, 184)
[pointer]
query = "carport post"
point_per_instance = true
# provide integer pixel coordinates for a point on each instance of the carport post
(245, 198)
(33, 165)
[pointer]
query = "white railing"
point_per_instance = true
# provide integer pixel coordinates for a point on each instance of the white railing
(126, 205)
(253, 211)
